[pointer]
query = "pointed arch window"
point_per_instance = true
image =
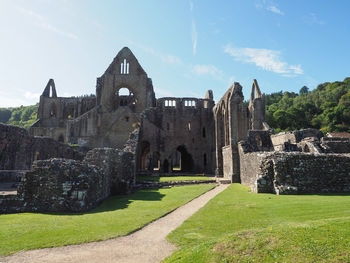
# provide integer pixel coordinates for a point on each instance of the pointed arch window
(124, 67)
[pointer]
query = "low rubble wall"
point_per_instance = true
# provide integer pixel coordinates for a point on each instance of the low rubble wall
(295, 172)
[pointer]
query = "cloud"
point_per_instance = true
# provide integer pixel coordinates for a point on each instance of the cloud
(194, 30)
(312, 19)
(16, 97)
(275, 10)
(40, 21)
(194, 37)
(269, 6)
(164, 92)
(207, 70)
(30, 95)
(265, 59)
(170, 59)
(166, 58)
(191, 6)
(231, 79)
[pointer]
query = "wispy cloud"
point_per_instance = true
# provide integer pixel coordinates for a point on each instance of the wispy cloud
(164, 92)
(191, 6)
(207, 70)
(266, 59)
(312, 19)
(16, 97)
(231, 79)
(166, 58)
(31, 95)
(269, 5)
(275, 10)
(194, 30)
(42, 22)
(194, 37)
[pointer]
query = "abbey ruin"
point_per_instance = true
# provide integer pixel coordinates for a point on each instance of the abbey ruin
(81, 150)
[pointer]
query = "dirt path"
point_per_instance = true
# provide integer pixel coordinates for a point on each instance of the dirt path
(146, 245)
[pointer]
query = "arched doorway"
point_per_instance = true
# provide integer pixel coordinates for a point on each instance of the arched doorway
(156, 161)
(145, 152)
(182, 160)
(61, 138)
(166, 166)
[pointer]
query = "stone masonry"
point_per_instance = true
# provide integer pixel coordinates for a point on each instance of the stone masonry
(296, 169)
(74, 186)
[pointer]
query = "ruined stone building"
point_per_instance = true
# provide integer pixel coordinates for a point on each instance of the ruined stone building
(82, 150)
(190, 135)
(123, 92)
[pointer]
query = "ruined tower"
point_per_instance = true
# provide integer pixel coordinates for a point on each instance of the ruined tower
(122, 93)
(256, 108)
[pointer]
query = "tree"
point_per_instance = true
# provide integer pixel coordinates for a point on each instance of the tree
(304, 90)
(282, 118)
(5, 115)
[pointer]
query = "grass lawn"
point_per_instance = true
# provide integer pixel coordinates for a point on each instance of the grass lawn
(116, 216)
(173, 178)
(239, 226)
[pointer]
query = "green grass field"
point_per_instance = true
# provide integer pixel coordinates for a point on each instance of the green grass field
(239, 226)
(117, 216)
(173, 178)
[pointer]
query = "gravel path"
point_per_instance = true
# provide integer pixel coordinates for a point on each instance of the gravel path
(146, 245)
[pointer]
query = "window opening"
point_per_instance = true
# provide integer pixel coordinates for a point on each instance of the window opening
(258, 140)
(124, 67)
(170, 103)
(124, 97)
(203, 132)
(124, 92)
(190, 103)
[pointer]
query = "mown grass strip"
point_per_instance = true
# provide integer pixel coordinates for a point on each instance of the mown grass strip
(116, 216)
(239, 226)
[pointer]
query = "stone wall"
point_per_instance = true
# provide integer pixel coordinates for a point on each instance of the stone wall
(335, 145)
(228, 166)
(117, 166)
(11, 175)
(286, 141)
(253, 168)
(178, 128)
(74, 186)
(295, 172)
(58, 185)
(18, 149)
(258, 141)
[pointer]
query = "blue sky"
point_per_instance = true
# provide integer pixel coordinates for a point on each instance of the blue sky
(186, 47)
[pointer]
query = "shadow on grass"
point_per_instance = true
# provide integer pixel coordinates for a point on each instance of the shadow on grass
(117, 202)
(330, 194)
(148, 178)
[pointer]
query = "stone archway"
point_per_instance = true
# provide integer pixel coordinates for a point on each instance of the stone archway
(124, 96)
(182, 160)
(61, 138)
(166, 166)
(145, 154)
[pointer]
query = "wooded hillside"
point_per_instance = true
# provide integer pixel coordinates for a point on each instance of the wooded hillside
(326, 108)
